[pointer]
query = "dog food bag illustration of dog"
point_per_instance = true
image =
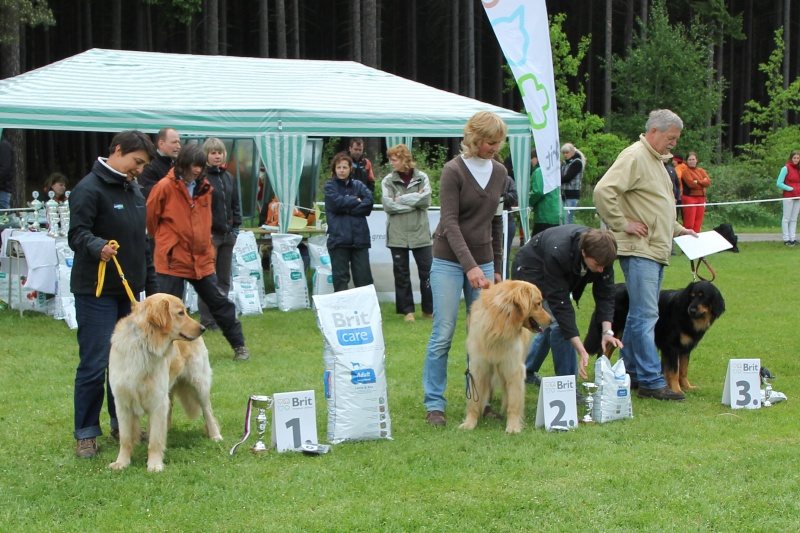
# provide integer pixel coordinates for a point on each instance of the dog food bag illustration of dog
(354, 354)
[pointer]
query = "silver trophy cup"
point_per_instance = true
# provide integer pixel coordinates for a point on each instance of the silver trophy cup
(261, 404)
(51, 212)
(589, 387)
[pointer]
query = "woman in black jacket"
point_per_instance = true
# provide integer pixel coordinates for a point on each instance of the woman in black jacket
(107, 204)
(348, 202)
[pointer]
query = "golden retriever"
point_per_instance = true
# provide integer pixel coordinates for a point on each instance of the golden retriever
(157, 351)
(499, 333)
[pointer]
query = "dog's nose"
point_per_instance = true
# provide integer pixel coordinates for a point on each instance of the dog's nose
(202, 329)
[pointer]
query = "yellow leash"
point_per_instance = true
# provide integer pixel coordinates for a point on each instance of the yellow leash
(101, 274)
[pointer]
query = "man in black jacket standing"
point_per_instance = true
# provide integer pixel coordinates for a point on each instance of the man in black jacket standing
(561, 261)
(168, 145)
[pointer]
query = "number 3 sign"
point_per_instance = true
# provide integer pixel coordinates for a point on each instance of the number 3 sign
(294, 420)
(742, 388)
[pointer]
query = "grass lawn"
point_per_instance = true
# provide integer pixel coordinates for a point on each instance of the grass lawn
(695, 465)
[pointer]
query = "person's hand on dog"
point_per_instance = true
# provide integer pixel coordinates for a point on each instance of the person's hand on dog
(476, 278)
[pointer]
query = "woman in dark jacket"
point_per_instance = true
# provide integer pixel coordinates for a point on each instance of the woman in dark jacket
(107, 204)
(348, 202)
(226, 217)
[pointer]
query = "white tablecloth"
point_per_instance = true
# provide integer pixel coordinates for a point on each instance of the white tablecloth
(40, 256)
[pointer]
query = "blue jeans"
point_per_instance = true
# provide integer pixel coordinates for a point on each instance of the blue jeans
(5, 200)
(96, 320)
(447, 281)
(564, 356)
(643, 278)
(569, 215)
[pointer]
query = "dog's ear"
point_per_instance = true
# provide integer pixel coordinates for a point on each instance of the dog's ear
(158, 314)
(717, 303)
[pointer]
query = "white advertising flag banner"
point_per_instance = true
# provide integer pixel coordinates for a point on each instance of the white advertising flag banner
(522, 30)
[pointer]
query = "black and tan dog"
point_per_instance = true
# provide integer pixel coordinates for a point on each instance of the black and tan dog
(684, 316)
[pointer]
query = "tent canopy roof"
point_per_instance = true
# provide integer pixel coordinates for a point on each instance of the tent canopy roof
(112, 90)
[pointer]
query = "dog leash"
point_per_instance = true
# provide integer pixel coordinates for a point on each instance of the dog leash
(696, 269)
(471, 389)
(101, 274)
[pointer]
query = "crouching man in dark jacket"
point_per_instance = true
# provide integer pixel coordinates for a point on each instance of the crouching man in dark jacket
(561, 261)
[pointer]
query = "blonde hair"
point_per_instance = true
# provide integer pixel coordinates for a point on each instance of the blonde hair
(213, 144)
(402, 153)
(570, 148)
(482, 126)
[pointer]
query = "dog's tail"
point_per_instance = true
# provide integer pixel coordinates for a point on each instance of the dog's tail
(188, 398)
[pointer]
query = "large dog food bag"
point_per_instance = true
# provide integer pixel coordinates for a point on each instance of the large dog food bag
(289, 272)
(355, 378)
(612, 400)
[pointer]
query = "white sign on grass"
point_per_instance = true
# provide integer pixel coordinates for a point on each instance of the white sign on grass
(742, 389)
(294, 420)
(557, 408)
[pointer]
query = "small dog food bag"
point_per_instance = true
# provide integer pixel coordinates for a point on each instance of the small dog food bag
(289, 272)
(354, 355)
(322, 281)
(612, 400)
(246, 264)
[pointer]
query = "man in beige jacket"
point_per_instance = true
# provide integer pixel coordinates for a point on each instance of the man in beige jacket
(634, 198)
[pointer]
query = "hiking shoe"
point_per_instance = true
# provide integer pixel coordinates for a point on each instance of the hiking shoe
(533, 379)
(86, 448)
(240, 353)
(664, 393)
(436, 418)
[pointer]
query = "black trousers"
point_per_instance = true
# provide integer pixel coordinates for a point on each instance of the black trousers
(403, 293)
(345, 260)
(222, 309)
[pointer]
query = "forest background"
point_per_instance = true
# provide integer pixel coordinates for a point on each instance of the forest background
(729, 68)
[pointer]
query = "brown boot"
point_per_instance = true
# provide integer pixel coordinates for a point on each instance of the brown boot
(86, 448)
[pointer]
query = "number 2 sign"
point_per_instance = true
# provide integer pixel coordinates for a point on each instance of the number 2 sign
(742, 388)
(557, 408)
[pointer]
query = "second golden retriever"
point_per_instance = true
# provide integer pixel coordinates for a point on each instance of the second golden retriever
(499, 333)
(157, 351)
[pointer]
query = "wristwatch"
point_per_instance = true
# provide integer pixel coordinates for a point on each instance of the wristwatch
(608, 332)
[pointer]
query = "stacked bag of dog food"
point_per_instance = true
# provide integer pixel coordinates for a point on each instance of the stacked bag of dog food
(322, 280)
(247, 285)
(355, 376)
(289, 272)
(612, 400)
(64, 302)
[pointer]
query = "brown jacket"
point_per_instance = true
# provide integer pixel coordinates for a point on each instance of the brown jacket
(469, 233)
(181, 228)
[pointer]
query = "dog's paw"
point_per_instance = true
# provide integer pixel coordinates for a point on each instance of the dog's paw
(468, 424)
(118, 465)
(513, 426)
(155, 467)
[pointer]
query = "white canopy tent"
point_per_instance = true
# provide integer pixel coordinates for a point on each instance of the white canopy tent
(277, 102)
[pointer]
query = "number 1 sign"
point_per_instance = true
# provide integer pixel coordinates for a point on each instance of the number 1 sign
(742, 388)
(294, 420)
